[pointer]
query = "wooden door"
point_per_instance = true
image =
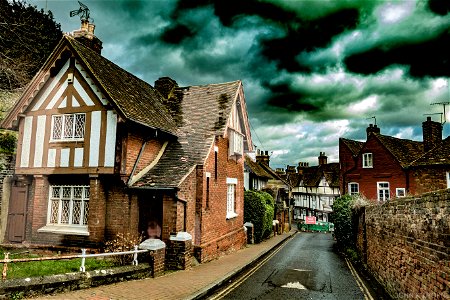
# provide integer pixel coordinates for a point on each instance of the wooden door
(17, 214)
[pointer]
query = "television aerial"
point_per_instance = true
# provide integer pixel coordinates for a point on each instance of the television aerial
(83, 12)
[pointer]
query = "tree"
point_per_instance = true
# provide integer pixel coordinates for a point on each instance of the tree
(27, 37)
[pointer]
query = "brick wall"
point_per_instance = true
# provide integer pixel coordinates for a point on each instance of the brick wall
(133, 147)
(217, 234)
(428, 179)
(385, 169)
(407, 245)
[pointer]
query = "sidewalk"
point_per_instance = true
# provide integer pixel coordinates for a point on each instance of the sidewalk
(187, 284)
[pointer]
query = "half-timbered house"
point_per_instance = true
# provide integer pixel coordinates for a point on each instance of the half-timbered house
(102, 152)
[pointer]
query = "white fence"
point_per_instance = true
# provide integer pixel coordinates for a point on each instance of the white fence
(83, 257)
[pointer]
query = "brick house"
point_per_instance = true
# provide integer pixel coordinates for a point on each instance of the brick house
(101, 152)
(385, 167)
(315, 188)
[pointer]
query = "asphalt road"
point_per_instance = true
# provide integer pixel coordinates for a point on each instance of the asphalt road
(305, 268)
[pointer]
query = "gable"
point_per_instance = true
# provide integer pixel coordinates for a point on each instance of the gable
(70, 89)
(238, 120)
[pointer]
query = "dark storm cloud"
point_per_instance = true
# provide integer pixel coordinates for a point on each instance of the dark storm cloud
(430, 58)
(313, 71)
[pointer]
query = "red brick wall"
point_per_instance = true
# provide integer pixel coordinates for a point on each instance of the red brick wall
(346, 163)
(217, 234)
(407, 245)
(134, 145)
(385, 169)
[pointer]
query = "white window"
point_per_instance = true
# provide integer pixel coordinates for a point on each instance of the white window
(367, 160)
(448, 180)
(236, 142)
(353, 188)
(68, 127)
(231, 197)
(68, 205)
(383, 191)
(400, 192)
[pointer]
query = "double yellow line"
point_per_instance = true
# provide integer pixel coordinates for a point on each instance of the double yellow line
(359, 282)
(247, 274)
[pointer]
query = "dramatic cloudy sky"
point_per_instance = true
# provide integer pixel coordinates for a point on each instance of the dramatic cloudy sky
(313, 70)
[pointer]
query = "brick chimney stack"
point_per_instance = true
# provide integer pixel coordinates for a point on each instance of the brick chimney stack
(302, 166)
(172, 96)
(86, 36)
(263, 157)
(290, 170)
(322, 159)
(372, 129)
(432, 134)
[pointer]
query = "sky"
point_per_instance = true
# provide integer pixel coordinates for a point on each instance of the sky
(313, 70)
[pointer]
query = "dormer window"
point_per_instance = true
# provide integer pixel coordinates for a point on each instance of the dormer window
(69, 127)
(367, 161)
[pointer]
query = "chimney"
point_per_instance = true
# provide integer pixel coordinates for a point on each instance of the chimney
(432, 134)
(301, 167)
(372, 129)
(290, 170)
(322, 159)
(263, 158)
(280, 171)
(86, 36)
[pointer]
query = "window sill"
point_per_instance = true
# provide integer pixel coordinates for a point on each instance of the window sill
(231, 215)
(65, 229)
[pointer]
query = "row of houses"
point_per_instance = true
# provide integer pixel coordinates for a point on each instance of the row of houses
(378, 169)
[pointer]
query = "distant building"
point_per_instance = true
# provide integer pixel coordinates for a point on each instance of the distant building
(385, 167)
(314, 188)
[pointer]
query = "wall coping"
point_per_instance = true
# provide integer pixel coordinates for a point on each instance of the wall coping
(152, 244)
(181, 236)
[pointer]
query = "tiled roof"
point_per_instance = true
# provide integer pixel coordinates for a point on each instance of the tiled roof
(440, 155)
(256, 168)
(204, 111)
(134, 98)
(405, 151)
(354, 146)
(312, 175)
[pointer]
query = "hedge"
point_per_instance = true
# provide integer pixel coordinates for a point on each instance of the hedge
(259, 210)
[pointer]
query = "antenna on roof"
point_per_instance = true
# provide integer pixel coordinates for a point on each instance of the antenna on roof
(83, 11)
(375, 119)
(435, 114)
(443, 104)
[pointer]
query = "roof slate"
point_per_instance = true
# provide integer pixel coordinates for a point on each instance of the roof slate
(204, 110)
(440, 155)
(405, 151)
(354, 146)
(134, 98)
(312, 175)
(256, 168)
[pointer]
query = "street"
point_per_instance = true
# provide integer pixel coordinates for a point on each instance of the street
(305, 268)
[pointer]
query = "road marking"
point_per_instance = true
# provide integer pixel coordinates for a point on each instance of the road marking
(359, 282)
(249, 273)
(294, 285)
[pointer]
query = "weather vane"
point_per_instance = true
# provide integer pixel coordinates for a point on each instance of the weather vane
(83, 11)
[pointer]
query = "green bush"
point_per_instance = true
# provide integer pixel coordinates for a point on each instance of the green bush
(7, 142)
(259, 210)
(343, 222)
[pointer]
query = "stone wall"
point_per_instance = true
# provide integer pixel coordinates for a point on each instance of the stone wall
(407, 244)
(7, 162)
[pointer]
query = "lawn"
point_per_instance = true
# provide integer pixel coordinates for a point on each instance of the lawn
(49, 267)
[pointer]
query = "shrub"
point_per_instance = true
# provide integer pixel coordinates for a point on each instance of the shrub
(259, 210)
(122, 243)
(343, 222)
(7, 142)
(254, 212)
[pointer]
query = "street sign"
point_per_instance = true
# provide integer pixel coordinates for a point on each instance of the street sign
(310, 220)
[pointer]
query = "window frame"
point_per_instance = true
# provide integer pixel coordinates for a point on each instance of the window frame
(447, 175)
(397, 192)
(350, 192)
(231, 198)
(366, 160)
(63, 124)
(379, 189)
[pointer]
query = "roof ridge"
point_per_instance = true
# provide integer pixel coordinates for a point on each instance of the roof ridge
(210, 84)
